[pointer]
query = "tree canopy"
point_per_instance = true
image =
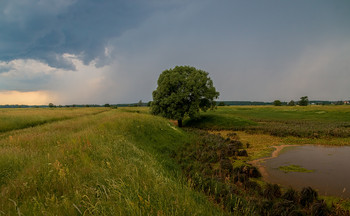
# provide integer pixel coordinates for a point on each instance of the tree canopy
(291, 103)
(304, 101)
(277, 103)
(183, 91)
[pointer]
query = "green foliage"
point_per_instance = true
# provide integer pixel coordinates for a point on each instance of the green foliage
(272, 191)
(218, 121)
(291, 195)
(308, 196)
(304, 101)
(339, 103)
(51, 105)
(207, 162)
(183, 91)
(221, 103)
(277, 103)
(320, 208)
(291, 103)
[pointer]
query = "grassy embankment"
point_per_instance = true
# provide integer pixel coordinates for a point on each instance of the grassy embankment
(111, 163)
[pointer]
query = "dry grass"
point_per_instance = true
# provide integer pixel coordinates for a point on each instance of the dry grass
(260, 145)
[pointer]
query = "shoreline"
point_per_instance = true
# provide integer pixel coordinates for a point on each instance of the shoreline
(275, 153)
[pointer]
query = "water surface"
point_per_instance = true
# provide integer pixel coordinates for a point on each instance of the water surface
(331, 167)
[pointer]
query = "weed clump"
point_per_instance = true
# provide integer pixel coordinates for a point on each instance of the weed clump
(308, 196)
(320, 208)
(226, 166)
(243, 153)
(291, 195)
(272, 191)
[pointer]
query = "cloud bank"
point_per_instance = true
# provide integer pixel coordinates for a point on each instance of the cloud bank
(113, 51)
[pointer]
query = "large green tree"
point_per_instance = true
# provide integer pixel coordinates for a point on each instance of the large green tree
(183, 91)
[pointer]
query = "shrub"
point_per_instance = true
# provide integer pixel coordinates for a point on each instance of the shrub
(307, 196)
(226, 165)
(243, 153)
(277, 103)
(320, 208)
(272, 191)
(291, 195)
(304, 101)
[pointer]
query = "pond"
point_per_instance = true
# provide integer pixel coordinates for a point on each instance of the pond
(326, 169)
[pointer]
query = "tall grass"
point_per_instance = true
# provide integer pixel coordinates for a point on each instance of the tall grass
(19, 118)
(112, 163)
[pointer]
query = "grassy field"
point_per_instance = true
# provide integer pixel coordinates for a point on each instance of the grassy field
(88, 161)
(18, 118)
(111, 163)
(312, 124)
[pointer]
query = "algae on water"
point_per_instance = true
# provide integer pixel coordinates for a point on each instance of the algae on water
(294, 168)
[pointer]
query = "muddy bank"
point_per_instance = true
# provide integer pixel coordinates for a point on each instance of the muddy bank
(275, 153)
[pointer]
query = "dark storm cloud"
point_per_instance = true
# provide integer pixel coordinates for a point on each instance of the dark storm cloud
(44, 30)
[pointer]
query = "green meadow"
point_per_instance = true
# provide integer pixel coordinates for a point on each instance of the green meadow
(18, 118)
(111, 163)
(125, 161)
(311, 124)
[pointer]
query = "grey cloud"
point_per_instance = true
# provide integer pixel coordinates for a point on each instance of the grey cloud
(40, 29)
(248, 48)
(253, 50)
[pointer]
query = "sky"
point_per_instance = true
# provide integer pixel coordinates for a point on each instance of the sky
(113, 51)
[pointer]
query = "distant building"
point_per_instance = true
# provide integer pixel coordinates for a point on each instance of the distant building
(346, 102)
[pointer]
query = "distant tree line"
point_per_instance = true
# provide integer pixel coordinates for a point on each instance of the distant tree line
(304, 101)
(241, 103)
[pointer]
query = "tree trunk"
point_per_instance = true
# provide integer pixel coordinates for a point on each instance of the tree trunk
(179, 122)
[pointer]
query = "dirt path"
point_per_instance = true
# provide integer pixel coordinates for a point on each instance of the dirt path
(275, 153)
